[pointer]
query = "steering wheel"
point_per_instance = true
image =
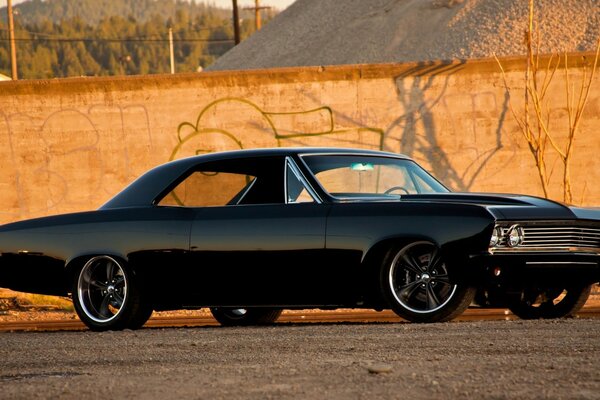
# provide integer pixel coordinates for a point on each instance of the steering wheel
(394, 188)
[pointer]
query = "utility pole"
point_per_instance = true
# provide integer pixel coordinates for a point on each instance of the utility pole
(171, 53)
(257, 14)
(236, 23)
(257, 8)
(11, 38)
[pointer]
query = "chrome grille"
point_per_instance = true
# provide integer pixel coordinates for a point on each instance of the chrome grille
(561, 236)
(553, 237)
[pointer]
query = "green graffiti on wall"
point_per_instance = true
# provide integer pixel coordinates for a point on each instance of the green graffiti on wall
(232, 123)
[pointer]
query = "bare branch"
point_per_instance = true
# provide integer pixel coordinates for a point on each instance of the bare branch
(548, 78)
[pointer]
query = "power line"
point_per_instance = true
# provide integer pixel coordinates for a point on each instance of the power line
(105, 40)
(54, 38)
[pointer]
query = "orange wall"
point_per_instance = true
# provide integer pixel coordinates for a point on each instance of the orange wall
(70, 144)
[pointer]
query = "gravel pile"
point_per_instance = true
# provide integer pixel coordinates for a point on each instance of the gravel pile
(330, 32)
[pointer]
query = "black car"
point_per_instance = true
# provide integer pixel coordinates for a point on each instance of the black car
(249, 233)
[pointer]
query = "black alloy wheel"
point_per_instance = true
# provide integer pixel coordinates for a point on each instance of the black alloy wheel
(416, 282)
(245, 316)
(106, 295)
(548, 303)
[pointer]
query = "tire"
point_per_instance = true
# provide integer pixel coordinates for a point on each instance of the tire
(107, 296)
(415, 282)
(548, 303)
(245, 316)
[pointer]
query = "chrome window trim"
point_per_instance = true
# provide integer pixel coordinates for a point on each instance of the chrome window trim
(245, 193)
(291, 164)
(366, 154)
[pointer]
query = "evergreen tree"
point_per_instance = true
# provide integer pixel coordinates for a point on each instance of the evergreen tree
(60, 38)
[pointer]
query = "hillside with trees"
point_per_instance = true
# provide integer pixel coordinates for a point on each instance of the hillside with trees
(63, 38)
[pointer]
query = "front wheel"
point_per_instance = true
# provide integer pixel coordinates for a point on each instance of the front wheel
(245, 316)
(548, 303)
(416, 283)
(107, 295)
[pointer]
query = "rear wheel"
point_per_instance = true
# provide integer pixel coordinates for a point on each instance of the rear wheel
(245, 316)
(536, 303)
(416, 283)
(107, 295)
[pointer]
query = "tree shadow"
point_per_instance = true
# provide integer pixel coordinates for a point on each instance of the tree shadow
(411, 90)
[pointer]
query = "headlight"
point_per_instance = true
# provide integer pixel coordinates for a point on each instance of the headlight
(496, 236)
(514, 237)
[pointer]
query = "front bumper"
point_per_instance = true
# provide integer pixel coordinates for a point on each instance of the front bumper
(538, 268)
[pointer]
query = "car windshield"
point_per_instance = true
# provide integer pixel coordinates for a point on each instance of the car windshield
(347, 176)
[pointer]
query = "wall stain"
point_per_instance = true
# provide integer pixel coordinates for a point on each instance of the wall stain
(69, 159)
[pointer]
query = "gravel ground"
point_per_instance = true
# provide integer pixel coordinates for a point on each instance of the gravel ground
(330, 32)
(493, 360)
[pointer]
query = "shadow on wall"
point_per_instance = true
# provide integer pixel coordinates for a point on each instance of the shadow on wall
(420, 137)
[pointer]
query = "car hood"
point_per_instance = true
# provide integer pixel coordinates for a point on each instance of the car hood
(511, 206)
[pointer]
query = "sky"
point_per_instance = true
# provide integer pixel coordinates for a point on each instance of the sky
(280, 4)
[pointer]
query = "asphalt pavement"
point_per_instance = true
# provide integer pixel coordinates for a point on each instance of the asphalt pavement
(508, 359)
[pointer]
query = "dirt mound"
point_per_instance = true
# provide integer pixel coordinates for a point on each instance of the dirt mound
(329, 32)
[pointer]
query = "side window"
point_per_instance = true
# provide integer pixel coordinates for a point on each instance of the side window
(295, 188)
(209, 189)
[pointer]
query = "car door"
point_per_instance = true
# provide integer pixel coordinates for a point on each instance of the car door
(259, 254)
(251, 243)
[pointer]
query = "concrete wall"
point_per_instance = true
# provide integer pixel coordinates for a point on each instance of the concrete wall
(70, 144)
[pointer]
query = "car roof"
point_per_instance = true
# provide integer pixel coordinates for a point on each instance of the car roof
(288, 151)
(151, 184)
